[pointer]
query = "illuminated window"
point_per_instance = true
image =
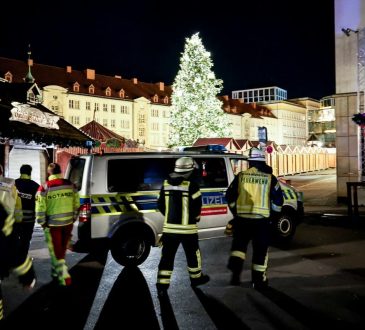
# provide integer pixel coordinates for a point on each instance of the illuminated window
(166, 100)
(122, 93)
(112, 123)
(124, 109)
(112, 108)
(8, 76)
(141, 131)
(154, 112)
(96, 106)
(108, 92)
(155, 98)
(88, 106)
(76, 87)
(105, 107)
(72, 104)
(141, 118)
(91, 89)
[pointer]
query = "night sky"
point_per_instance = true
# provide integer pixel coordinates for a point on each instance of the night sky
(253, 43)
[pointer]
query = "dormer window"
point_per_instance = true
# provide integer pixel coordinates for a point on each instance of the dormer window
(155, 98)
(8, 76)
(122, 94)
(76, 87)
(108, 92)
(166, 99)
(91, 89)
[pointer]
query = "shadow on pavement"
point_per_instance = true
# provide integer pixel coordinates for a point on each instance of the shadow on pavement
(303, 314)
(220, 314)
(129, 304)
(54, 307)
(167, 314)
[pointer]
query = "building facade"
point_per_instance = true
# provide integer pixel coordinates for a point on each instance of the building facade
(264, 94)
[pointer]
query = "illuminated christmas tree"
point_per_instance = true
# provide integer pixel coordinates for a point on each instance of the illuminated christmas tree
(196, 111)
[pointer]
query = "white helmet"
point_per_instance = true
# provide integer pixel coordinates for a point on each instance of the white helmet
(184, 164)
(256, 155)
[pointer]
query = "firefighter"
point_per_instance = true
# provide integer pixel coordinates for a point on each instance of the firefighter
(253, 196)
(57, 206)
(10, 259)
(180, 202)
(27, 189)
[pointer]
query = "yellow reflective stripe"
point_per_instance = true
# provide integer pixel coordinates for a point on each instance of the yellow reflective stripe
(167, 199)
(239, 254)
(196, 195)
(199, 258)
(165, 272)
(8, 225)
(178, 226)
(1, 310)
(182, 231)
(163, 280)
(192, 270)
(185, 210)
(196, 275)
(23, 268)
(259, 268)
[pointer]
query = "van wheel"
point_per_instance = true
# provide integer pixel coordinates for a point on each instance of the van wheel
(129, 250)
(284, 228)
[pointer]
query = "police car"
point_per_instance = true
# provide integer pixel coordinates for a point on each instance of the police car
(119, 192)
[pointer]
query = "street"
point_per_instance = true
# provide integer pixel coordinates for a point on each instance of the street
(316, 282)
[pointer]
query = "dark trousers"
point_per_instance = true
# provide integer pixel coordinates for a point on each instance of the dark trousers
(170, 244)
(244, 231)
(24, 232)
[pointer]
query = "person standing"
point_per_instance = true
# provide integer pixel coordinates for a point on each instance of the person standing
(27, 189)
(57, 206)
(180, 202)
(253, 196)
(10, 258)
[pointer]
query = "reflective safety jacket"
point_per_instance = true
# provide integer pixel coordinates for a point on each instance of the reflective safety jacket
(27, 190)
(180, 202)
(57, 202)
(253, 194)
(10, 199)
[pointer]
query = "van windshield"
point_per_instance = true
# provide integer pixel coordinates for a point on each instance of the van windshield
(76, 171)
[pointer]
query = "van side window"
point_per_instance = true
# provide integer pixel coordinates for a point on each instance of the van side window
(77, 171)
(131, 175)
(212, 172)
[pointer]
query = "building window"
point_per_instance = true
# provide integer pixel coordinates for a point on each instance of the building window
(87, 120)
(108, 92)
(76, 87)
(91, 89)
(141, 131)
(155, 98)
(55, 108)
(166, 100)
(105, 107)
(96, 106)
(122, 94)
(88, 106)
(141, 118)
(112, 108)
(154, 112)
(112, 123)
(155, 126)
(124, 123)
(8, 76)
(75, 120)
(72, 104)
(124, 109)
(105, 122)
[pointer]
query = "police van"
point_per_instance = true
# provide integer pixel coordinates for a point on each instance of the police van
(119, 192)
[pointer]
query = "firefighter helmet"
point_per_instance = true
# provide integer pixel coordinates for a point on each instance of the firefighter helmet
(256, 154)
(184, 164)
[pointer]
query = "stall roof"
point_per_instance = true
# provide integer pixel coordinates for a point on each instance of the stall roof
(23, 117)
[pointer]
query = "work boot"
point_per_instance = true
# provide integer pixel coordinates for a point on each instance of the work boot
(259, 280)
(199, 281)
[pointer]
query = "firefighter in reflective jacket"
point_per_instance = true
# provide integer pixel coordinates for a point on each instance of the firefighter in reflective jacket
(180, 202)
(27, 189)
(253, 196)
(10, 259)
(57, 205)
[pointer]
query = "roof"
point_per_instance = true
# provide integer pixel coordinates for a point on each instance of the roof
(26, 130)
(46, 75)
(99, 132)
(222, 141)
